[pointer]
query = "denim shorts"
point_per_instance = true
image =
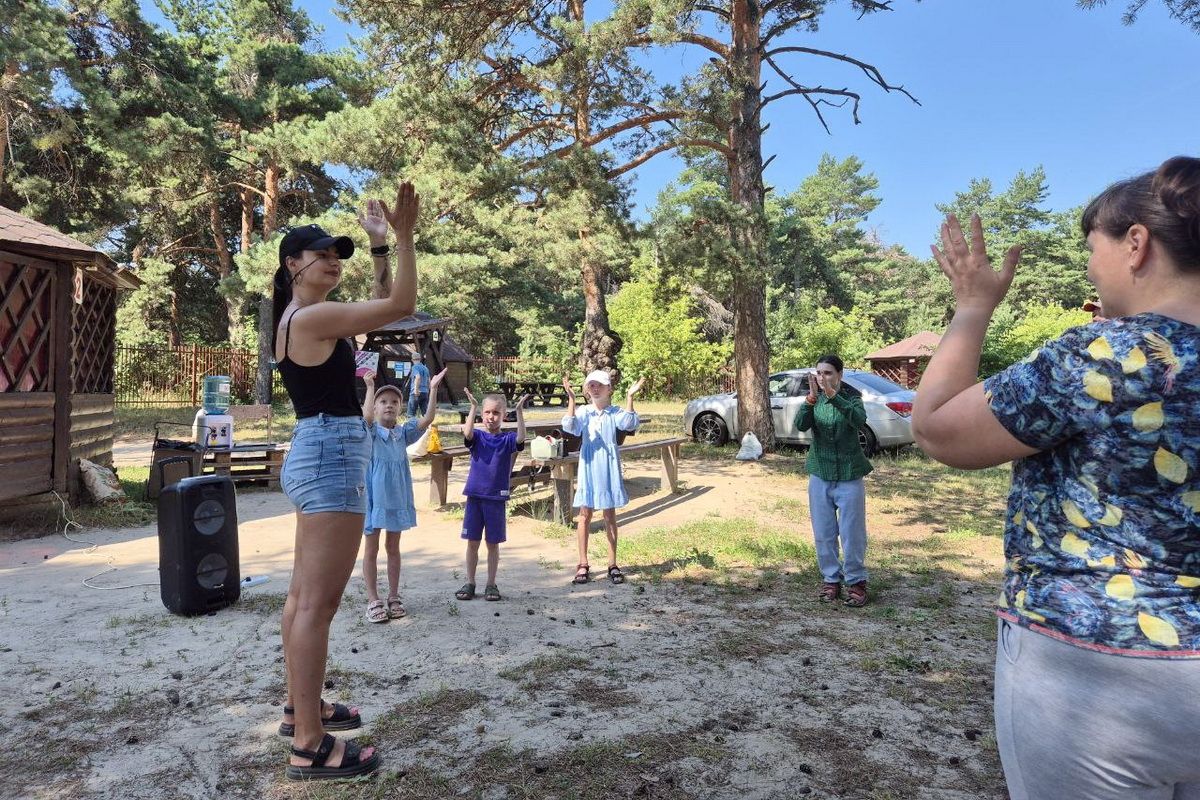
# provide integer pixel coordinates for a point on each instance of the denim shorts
(326, 467)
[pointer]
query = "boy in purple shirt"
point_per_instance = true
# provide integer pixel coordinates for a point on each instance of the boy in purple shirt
(492, 453)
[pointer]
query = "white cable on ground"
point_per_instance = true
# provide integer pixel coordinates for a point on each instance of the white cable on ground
(68, 523)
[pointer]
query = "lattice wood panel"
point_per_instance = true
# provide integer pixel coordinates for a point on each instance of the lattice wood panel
(94, 328)
(25, 328)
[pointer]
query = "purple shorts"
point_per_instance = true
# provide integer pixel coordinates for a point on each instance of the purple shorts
(485, 515)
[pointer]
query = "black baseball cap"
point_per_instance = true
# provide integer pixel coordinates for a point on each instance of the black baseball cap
(312, 237)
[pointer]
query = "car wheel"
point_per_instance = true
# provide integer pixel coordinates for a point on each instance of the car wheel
(710, 429)
(867, 441)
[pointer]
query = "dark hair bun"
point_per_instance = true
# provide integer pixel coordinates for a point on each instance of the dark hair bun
(1177, 184)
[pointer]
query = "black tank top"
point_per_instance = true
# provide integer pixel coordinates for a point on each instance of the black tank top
(327, 388)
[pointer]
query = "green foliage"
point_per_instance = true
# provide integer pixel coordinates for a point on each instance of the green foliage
(801, 331)
(1011, 338)
(663, 342)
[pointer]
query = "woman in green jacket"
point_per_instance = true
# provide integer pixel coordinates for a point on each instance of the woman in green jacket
(837, 500)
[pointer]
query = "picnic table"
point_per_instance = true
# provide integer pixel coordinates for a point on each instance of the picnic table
(541, 393)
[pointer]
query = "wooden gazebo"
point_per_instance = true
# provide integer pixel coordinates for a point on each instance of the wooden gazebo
(58, 303)
(904, 361)
(425, 334)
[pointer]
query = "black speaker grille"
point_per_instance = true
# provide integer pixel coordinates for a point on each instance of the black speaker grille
(208, 517)
(212, 571)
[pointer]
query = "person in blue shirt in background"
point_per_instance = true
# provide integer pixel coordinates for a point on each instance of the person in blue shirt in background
(418, 386)
(487, 488)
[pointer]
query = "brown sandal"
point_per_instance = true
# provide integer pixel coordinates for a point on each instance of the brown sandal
(829, 592)
(856, 594)
(583, 574)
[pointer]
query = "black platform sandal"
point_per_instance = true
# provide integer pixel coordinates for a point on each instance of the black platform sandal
(341, 720)
(317, 771)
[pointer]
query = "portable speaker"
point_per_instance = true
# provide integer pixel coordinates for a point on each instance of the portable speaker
(198, 545)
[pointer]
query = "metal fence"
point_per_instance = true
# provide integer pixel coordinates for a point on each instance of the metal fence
(170, 376)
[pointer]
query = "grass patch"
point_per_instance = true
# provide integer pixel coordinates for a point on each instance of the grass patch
(424, 718)
(714, 547)
(268, 604)
(545, 666)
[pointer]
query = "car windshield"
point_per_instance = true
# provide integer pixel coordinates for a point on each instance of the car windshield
(877, 384)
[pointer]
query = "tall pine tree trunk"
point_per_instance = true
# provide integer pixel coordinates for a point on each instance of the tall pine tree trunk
(216, 224)
(746, 187)
(599, 345)
(266, 354)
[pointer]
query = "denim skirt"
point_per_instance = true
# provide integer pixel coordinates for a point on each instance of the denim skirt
(326, 467)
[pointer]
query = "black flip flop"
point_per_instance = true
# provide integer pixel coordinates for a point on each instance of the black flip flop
(351, 766)
(342, 720)
(615, 575)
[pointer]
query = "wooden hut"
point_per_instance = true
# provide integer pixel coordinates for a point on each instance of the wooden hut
(904, 361)
(425, 334)
(58, 305)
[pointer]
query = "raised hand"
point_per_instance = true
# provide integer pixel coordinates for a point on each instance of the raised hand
(373, 221)
(369, 379)
(403, 216)
(522, 401)
(567, 386)
(828, 387)
(436, 379)
(637, 387)
(813, 387)
(470, 397)
(974, 282)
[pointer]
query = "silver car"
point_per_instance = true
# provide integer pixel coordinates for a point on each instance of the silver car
(713, 419)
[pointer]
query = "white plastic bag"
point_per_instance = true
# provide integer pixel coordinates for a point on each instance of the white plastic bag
(421, 446)
(101, 482)
(751, 449)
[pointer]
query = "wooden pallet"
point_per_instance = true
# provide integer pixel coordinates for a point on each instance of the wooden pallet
(255, 466)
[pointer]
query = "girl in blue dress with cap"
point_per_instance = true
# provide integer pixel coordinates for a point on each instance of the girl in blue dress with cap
(390, 504)
(600, 485)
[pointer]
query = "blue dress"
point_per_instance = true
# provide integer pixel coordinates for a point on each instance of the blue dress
(600, 484)
(390, 504)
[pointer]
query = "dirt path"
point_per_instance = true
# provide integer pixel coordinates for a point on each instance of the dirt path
(742, 687)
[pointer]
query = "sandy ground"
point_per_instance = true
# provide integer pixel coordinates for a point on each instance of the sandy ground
(665, 689)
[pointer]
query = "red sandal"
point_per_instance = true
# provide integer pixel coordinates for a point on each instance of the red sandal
(829, 592)
(856, 594)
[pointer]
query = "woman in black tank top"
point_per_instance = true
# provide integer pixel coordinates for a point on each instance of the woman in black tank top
(325, 471)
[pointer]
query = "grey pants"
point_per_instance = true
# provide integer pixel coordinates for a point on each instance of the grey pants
(1077, 724)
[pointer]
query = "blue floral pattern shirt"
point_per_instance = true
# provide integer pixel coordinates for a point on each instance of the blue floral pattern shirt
(1102, 539)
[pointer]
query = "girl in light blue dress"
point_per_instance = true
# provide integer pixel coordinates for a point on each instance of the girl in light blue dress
(390, 505)
(600, 484)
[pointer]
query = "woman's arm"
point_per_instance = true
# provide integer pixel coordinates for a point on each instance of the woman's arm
(431, 408)
(951, 418)
(332, 320)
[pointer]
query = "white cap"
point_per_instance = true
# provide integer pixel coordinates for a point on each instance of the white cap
(599, 376)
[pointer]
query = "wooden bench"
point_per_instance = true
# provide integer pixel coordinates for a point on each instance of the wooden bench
(564, 470)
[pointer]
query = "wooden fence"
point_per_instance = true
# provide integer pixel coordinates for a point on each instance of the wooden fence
(162, 376)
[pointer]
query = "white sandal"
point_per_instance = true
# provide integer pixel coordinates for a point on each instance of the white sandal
(376, 611)
(395, 609)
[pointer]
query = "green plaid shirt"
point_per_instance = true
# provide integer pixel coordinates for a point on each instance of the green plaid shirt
(835, 454)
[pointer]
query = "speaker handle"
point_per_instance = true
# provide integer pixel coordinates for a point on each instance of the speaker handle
(179, 460)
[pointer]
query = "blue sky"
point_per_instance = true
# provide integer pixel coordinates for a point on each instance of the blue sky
(1004, 85)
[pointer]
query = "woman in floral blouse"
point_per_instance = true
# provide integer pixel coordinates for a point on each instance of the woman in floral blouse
(1098, 662)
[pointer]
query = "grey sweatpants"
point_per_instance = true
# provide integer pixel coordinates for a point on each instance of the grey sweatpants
(1077, 724)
